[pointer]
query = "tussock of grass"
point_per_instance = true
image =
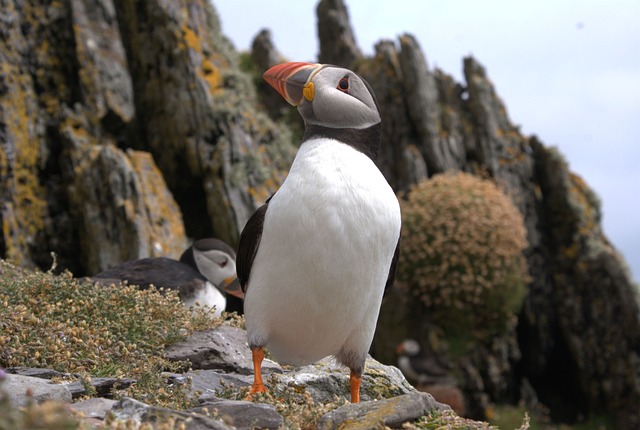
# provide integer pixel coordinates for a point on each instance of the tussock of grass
(57, 322)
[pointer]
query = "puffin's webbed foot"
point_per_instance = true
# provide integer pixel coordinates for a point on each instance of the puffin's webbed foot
(257, 355)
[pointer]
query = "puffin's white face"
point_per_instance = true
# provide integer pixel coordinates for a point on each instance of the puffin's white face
(409, 347)
(338, 98)
(216, 265)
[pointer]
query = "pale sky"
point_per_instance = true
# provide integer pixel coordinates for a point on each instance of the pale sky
(567, 71)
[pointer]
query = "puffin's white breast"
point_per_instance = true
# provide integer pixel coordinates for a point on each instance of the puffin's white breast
(328, 240)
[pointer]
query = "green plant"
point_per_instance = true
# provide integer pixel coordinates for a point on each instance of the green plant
(462, 254)
(57, 322)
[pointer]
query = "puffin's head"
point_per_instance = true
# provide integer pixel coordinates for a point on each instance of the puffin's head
(216, 261)
(408, 347)
(326, 96)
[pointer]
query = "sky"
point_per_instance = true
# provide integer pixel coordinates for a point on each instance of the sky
(568, 72)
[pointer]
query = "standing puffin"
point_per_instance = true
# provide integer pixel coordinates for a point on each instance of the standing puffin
(205, 272)
(315, 260)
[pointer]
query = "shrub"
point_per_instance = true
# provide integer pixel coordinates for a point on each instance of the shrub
(462, 254)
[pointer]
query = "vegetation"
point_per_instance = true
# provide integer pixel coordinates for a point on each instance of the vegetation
(462, 254)
(57, 322)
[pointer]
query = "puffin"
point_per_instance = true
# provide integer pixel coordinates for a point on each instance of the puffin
(416, 367)
(205, 272)
(316, 259)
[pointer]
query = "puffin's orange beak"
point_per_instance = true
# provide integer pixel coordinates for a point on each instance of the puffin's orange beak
(293, 80)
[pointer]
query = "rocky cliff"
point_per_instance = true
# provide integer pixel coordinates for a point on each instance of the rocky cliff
(128, 126)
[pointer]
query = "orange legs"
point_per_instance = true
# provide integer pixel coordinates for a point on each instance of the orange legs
(258, 385)
(354, 385)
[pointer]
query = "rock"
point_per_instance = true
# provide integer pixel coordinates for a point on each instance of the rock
(102, 386)
(209, 383)
(21, 389)
(196, 112)
(34, 372)
(327, 379)
(243, 415)
(223, 348)
(449, 395)
(421, 94)
(94, 408)
(337, 42)
(129, 409)
(390, 412)
(122, 194)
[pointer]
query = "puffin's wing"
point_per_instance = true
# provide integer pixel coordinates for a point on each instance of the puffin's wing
(392, 270)
(162, 272)
(248, 246)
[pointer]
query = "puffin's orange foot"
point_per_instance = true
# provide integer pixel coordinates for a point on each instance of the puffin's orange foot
(255, 389)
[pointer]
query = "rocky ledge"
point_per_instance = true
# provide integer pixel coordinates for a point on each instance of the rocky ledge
(220, 364)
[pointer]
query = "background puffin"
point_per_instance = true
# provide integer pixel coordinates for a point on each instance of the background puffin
(316, 259)
(205, 272)
(418, 368)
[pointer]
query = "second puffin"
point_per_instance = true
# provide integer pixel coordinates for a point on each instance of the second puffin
(316, 259)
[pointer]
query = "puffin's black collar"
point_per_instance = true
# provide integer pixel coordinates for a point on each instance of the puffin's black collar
(365, 140)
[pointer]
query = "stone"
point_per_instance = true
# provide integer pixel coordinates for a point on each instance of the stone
(391, 412)
(22, 389)
(223, 348)
(102, 386)
(129, 409)
(97, 407)
(326, 380)
(209, 383)
(243, 414)
(34, 372)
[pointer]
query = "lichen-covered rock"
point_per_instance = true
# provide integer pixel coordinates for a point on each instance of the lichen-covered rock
(123, 208)
(196, 113)
(391, 412)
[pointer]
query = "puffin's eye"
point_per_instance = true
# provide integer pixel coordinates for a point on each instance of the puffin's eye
(222, 263)
(343, 85)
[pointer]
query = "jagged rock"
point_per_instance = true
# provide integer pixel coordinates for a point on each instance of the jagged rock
(242, 414)
(21, 389)
(399, 158)
(122, 195)
(391, 412)
(421, 94)
(263, 52)
(196, 113)
(130, 409)
(337, 41)
(223, 348)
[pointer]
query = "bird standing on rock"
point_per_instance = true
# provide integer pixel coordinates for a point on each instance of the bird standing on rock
(205, 272)
(315, 260)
